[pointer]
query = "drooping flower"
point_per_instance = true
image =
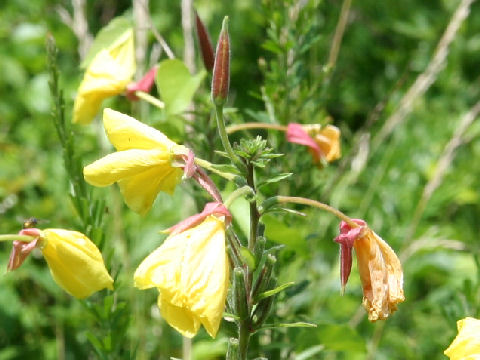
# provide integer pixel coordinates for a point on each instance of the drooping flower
(142, 166)
(191, 271)
(75, 262)
(323, 142)
(466, 346)
(108, 74)
(379, 267)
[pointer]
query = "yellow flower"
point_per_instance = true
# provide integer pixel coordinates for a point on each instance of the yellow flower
(466, 345)
(108, 74)
(142, 166)
(191, 272)
(379, 267)
(327, 138)
(75, 262)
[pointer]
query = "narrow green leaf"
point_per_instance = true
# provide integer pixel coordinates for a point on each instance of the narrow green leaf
(275, 291)
(274, 179)
(290, 325)
(106, 37)
(176, 85)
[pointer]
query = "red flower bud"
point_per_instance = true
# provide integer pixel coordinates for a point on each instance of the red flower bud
(206, 47)
(221, 69)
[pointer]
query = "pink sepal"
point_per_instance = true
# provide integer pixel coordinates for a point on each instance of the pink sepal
(211, 208)
(22, 249)
(296, 134)
(347, 237)
(190, 167)
(145, 84)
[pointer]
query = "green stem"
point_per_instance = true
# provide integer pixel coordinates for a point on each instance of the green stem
(243, 339)
(13, 237)
(210, 167)
(245, 126)
(224, 138)
(244, 190)
(150, 99)
(317, 204)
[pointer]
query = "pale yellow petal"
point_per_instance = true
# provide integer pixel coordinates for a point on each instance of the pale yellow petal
(191, 269)
(123, 51)
(104, 77)
(75, 262)
(180, 318)
(125, 132)
(123, 164)
(140, 190)
(467, 343)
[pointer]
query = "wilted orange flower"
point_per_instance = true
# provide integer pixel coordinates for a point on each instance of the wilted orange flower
(379, 267)
(323, 142)
(466, 345)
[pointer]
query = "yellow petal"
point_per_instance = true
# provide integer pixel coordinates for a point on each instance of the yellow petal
(125, 132)
(466, 346)
(140, 190)
(191, 271)
(328, 139)
(123, 164)
(75, 262)
(180, 318)
(108, 74)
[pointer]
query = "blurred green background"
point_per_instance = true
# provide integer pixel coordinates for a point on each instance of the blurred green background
(280, 73)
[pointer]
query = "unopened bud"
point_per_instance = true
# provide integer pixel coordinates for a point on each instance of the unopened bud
(206, 47)
(264, 277)
(221, 69)
(239, 293)
(263, 308)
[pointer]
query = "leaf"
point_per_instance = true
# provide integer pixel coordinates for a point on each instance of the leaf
(290, 325)
(176, 85)
(106, 37)
(276, 178)
(275, 291)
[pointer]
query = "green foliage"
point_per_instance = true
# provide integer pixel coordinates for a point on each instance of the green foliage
(176, 85)
(280, 74)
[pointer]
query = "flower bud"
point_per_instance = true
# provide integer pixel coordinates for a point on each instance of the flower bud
(239, 294)
(264, 277)
(221, 69)
(75, 262)
(206, 47)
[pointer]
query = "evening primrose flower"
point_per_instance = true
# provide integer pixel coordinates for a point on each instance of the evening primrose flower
(466, 346)
(191, 271)
(75, 262)
(323, 142)
(379, 267)
(142, 166)
(108, 74)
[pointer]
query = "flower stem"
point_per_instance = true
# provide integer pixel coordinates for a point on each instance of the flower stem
(210, 167)
(150, 99)
(13, 237)
(243, 339)
(224, 138)
(317, 204)
(245, 126)
(244, 190)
